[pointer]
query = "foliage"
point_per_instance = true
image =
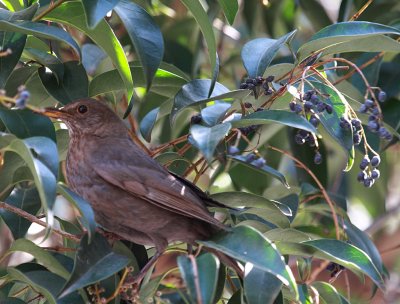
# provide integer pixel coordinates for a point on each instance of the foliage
(276, 128)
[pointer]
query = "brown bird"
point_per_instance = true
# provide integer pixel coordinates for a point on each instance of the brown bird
(131, 194)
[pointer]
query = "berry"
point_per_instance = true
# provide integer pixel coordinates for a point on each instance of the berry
(259, 109)
(314, 120)
(368, 182)
(375, 161)
(308, 106)
(356, 123)
(318, 158)
(259, 162)
(375, 174)
(363, 109)
(259, 80)
(373, 126)
(243, 85)
(303, 133)
(328, 108)
(364, 163)
(356, 139)
(196, 119)
(372, 118)
(389, 137)
(250, 157)
(268, 92)
(292, 106)
(307, 95)
(270, 78)
(232, 150)
(249, 81)
(248, 105)
(382, 96)
(24, 94)
(344, 124)
(298, 108)
(362, 176)
(369, 103)
(320, 106)
(375, 111)
(250, 86)
(314, 98)
(383, 132)
(299, 139)
(20, 103)
(311, 141)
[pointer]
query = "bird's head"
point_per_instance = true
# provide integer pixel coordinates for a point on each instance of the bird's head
(89, 116)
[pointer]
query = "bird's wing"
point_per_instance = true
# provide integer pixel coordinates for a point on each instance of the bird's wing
(155, 185)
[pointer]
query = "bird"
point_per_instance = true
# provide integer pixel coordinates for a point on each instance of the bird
(132, 195)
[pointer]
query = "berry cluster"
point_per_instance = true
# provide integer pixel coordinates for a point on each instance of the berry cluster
(250, 158)
(196, 119)
(253, 84)
(374, 119)
(335, 269)
(355, 125)
(369, 172)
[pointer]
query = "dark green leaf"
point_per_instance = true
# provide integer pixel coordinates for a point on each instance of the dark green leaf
(94, 262)
(248, 245)
(148, 122)
(316, 13)
(206, 139)
(279, 116)
(19, 77)
(329, 294)
(145, 36)
(230, 8)
(72, 13)
(88, 220)
(258, 53)
(213, 114)
(74, 84)
(96, 10)
(265, 169)
(260, 287)
(202, 272)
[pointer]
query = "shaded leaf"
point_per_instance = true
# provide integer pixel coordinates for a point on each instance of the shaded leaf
(315, 13)
(145, 36)
(96, 10)
(94, 262)
(213, 114)
(257, 54)
(230, 8)
(328, 293)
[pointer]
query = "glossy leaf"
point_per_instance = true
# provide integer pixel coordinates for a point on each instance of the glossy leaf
(248, 245)
(202, 272)
(315, 13)
(213, 114)
(42, 256)
(206, 139)
(328, 293)
(201, 17)
(148, 122)
(88, 218)
(258, 53)
(343, 32)
(279, 116)
(145, 36)
(40, 30)
(264, 169)
(230, 8)
(195, 93)
(260, 287)
(72, 13)
(74, 84)
(96, 10)
(94, 262)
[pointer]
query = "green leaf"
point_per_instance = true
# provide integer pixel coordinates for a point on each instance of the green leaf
(265, 169)
(248, 245)
(279, 116)
(260, 287)
(272, 215)
(42, 256)
(331, 122)
(343, 32)
(195, 93)
(165, 83)
(25, 123)
(96, 10)
(40, 154)
(18, 77)
(72, 13)
(74, 84)
(202, 272)
(88, 218)
(94, 262)
(287, 235)
(213, 114)
(148, 122)
(24, 199)
(206, 28)
(328, 293)
(257, 54)
(206, 139)
(230, 8)
(13, 41)
(40, 30)
(315, 13)
(145, 36)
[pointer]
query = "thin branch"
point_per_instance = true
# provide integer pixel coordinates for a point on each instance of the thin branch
(48, 10)
(34, 219)
(356, 15)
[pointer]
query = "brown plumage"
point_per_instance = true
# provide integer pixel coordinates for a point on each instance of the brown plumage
(131, 194)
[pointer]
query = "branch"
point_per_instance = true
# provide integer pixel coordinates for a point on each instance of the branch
(48, 10)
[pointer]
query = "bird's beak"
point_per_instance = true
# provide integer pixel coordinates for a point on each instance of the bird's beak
(55, 113)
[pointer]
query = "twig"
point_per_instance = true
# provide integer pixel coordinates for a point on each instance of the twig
(48, 10)
(34, 219)
(356, 15)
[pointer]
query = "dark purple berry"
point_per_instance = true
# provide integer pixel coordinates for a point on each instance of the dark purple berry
(308, 106)
(314, 120)
(259, 162)
(382, 96)
(344, 123)
(375, 174)
(259, 80)
(318, 158)
(362, 176)
(250, 86)
(356, 139)
(196, 119)
(389, 137)
(259, 109)
(249, 80)
(320, 106)
(311, 141)
(232, 150)
(292, 106)
(356, 123)
(299, 139)
(368, 103)
(250, 157)
(303, 133)
(243, 86)
(364, 162)
(20, 103)
(373, 126)
(248, 105)
(363, 109)
(24, 94)
(314, 98)
(270, 78)
(375, 111)
(375, 161)
(298, 108)
(383, 132)
(268, 92)
(368, 182)
(372, 118)
(307, 95)
(328, 109)
(331, 266)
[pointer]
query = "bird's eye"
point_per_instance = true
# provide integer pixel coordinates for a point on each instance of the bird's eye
(82, 109)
